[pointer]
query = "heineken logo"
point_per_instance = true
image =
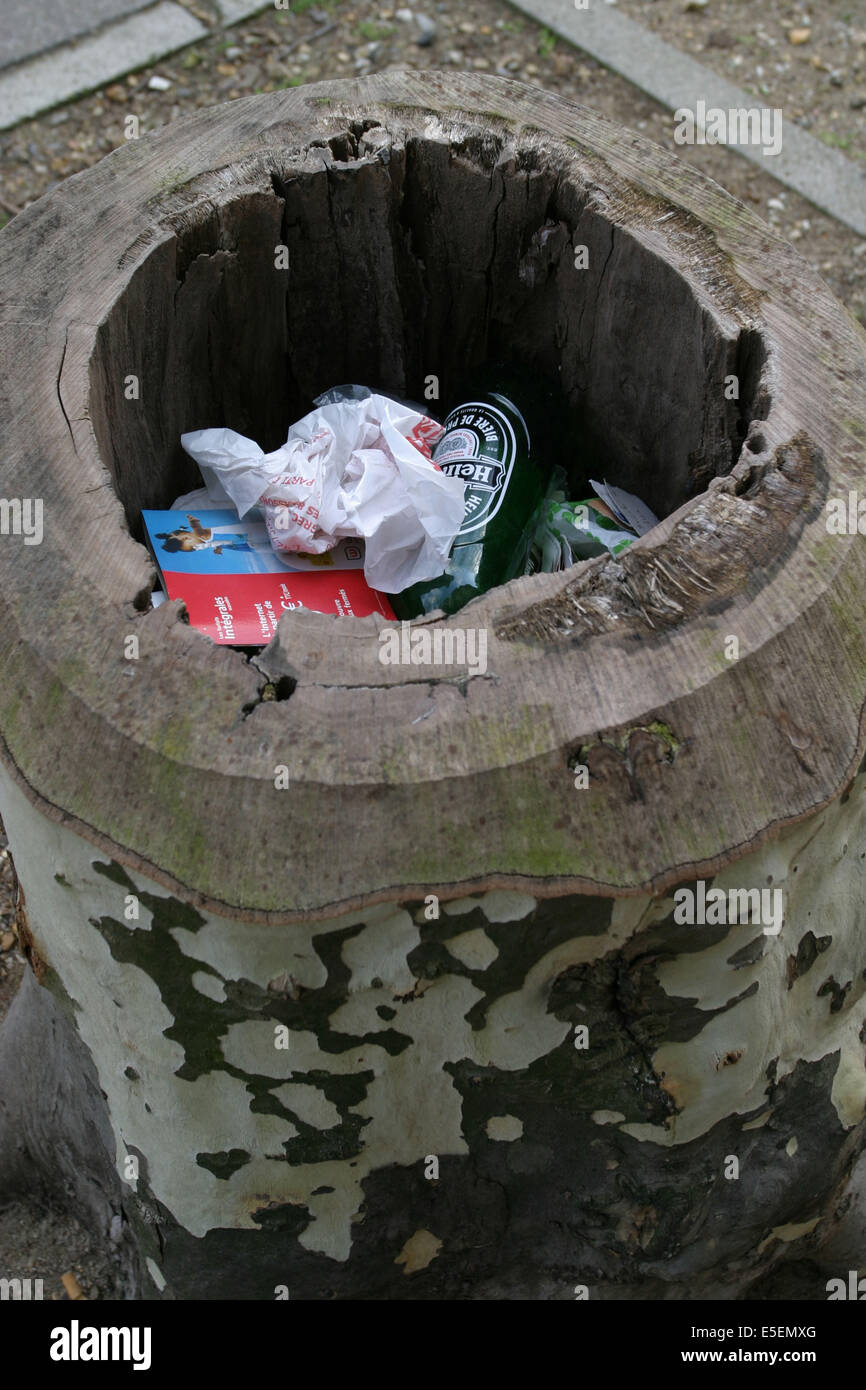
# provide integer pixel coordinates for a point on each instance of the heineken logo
(485, 473)
(479, 448)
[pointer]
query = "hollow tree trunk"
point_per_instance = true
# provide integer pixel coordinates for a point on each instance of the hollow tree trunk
(427, 1023)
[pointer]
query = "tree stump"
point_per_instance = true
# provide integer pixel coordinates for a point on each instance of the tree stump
(431, 1021)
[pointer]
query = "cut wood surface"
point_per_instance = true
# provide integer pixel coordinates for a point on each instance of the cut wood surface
(428, 217)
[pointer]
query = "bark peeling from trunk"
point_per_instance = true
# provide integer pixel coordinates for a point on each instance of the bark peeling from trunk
(453, 1039)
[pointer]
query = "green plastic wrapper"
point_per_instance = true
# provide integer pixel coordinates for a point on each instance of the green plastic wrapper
(566, 532)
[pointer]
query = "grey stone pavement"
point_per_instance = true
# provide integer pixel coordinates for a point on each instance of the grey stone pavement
(56, 50)
(27, 30)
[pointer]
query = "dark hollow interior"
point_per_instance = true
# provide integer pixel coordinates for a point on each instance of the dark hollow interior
(408, 262)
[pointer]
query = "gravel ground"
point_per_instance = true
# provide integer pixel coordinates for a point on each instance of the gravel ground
(48, 1244)
(339, 38)
(809, 62)
(819, 80)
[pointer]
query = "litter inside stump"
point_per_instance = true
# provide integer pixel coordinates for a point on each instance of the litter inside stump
(358, 466)
(370, 493)
(568, 532)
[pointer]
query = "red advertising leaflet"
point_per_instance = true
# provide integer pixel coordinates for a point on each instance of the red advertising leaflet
(235, 587)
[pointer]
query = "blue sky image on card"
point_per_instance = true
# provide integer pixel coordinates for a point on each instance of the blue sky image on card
(232, 547)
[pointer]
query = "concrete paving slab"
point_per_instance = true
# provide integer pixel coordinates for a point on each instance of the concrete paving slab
(27, 29)
(67, 72)
(233, 11)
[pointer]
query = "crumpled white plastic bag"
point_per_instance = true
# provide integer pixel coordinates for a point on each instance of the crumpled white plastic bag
(358, 465)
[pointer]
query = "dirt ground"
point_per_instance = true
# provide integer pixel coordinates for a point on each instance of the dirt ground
(46, 1244)
(811, 64)
(810, 61)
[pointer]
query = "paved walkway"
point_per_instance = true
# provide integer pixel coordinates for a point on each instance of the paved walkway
(69, 47)
(25, 34)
